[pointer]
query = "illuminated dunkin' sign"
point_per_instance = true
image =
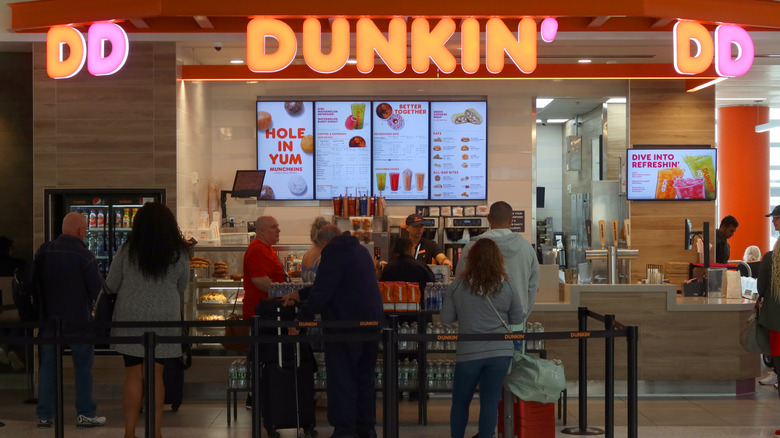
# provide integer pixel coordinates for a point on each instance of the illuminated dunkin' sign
(92, 51)
(426, 45)
(695, 50)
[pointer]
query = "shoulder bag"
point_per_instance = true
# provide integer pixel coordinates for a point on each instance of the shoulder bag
(104, 311)
(754, 337)
(530, 377)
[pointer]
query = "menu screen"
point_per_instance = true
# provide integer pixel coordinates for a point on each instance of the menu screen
(285, 146)
(342, 148)
(458, 150)
(401, 149)
(671, 173)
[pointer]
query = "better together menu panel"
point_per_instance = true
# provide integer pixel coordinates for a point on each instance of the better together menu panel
(458, 150)
(285, 146)
(401, 149)
(343, 148)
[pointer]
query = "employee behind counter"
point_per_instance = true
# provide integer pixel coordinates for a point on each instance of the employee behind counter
(424, 250)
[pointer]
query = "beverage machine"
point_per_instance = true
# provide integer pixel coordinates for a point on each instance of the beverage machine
(458, 231)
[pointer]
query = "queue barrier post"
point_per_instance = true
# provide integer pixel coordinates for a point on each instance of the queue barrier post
(583, 429)
(609, 378)
(632, 339)
(254, 354)
(150, 342)
(390, 392)
(59, 421)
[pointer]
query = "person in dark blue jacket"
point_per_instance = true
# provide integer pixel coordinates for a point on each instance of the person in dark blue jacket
(70, 283)
(346, 290)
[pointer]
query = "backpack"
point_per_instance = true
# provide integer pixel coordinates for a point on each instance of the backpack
(25, 288)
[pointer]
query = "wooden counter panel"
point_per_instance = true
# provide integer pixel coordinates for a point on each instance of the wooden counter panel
(700, 345)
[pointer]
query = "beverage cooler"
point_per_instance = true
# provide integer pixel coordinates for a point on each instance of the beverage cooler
(109, 213)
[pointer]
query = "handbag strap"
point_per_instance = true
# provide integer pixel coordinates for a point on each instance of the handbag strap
(498, 314)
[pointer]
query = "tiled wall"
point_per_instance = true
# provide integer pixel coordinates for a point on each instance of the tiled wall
(16, 134)
(511, 130)
(106, 132)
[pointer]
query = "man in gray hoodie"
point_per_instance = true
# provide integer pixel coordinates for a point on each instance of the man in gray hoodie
(519, 256)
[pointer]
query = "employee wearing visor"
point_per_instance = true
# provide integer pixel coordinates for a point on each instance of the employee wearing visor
(424, 250)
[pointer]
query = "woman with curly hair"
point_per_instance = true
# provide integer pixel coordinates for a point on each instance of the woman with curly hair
(481, 300)
(149, 274)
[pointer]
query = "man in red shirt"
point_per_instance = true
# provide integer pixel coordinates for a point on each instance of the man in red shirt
(261, 265)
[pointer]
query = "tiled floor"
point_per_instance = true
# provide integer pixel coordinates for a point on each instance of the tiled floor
(755, 415)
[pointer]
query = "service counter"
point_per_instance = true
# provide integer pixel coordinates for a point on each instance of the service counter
(689, 339)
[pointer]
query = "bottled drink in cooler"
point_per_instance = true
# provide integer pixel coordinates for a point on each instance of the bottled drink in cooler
(132, 216)
(126, 219)
(91, 244)
(101, 219)
(118, 219)
(92, 219)
(100, 245)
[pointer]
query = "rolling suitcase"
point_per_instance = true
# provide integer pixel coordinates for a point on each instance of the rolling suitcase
(523, 419)
(285, 366)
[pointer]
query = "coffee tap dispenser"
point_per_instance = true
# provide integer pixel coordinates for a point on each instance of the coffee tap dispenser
(612, 254)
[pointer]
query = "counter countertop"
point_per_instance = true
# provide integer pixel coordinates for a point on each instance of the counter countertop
(674, 303)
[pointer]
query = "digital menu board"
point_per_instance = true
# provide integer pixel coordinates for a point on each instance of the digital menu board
(458, 150)
(285, 146)
(667, 173)
(342, 148)
(401, 149)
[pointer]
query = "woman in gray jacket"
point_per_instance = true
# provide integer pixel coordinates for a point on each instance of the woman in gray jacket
(481, 300)
(149, 274)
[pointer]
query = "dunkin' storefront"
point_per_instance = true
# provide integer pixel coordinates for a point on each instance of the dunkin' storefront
(179, 95)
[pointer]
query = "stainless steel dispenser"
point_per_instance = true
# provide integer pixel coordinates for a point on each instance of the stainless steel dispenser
(612, 254)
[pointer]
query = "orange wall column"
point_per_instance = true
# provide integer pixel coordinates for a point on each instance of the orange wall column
(743, 175)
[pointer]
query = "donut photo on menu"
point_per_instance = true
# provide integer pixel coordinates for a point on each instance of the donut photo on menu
(263, 120)
(293, 108)
(357, 142)
(395, 121)
(267, 192)
(384, 110)
(297, 185)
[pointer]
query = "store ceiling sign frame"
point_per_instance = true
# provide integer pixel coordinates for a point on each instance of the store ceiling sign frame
(427, 45)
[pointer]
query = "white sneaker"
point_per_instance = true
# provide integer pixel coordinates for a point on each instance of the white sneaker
(83, 422)
(770, 379)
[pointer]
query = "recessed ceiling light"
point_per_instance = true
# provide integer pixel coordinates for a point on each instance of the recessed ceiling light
(236, 61)
(251, 82)
(557, 120)
(616, 100)
(542, 102)
(584, 61)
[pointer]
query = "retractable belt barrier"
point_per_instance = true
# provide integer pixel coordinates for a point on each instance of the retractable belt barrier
(361, 331)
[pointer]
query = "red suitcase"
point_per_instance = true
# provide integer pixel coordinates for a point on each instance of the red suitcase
(525, 419)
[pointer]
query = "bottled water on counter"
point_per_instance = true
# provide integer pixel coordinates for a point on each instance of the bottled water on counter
(379, 371)
(242, 374)
(434, 296)
(403, 330)
(449, 374)
(538, 328)
(233, 374)
(412, 345)
(429, 331)
(413, 366)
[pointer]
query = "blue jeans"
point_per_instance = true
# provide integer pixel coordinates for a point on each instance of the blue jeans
(83, 357)
(489, 374)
